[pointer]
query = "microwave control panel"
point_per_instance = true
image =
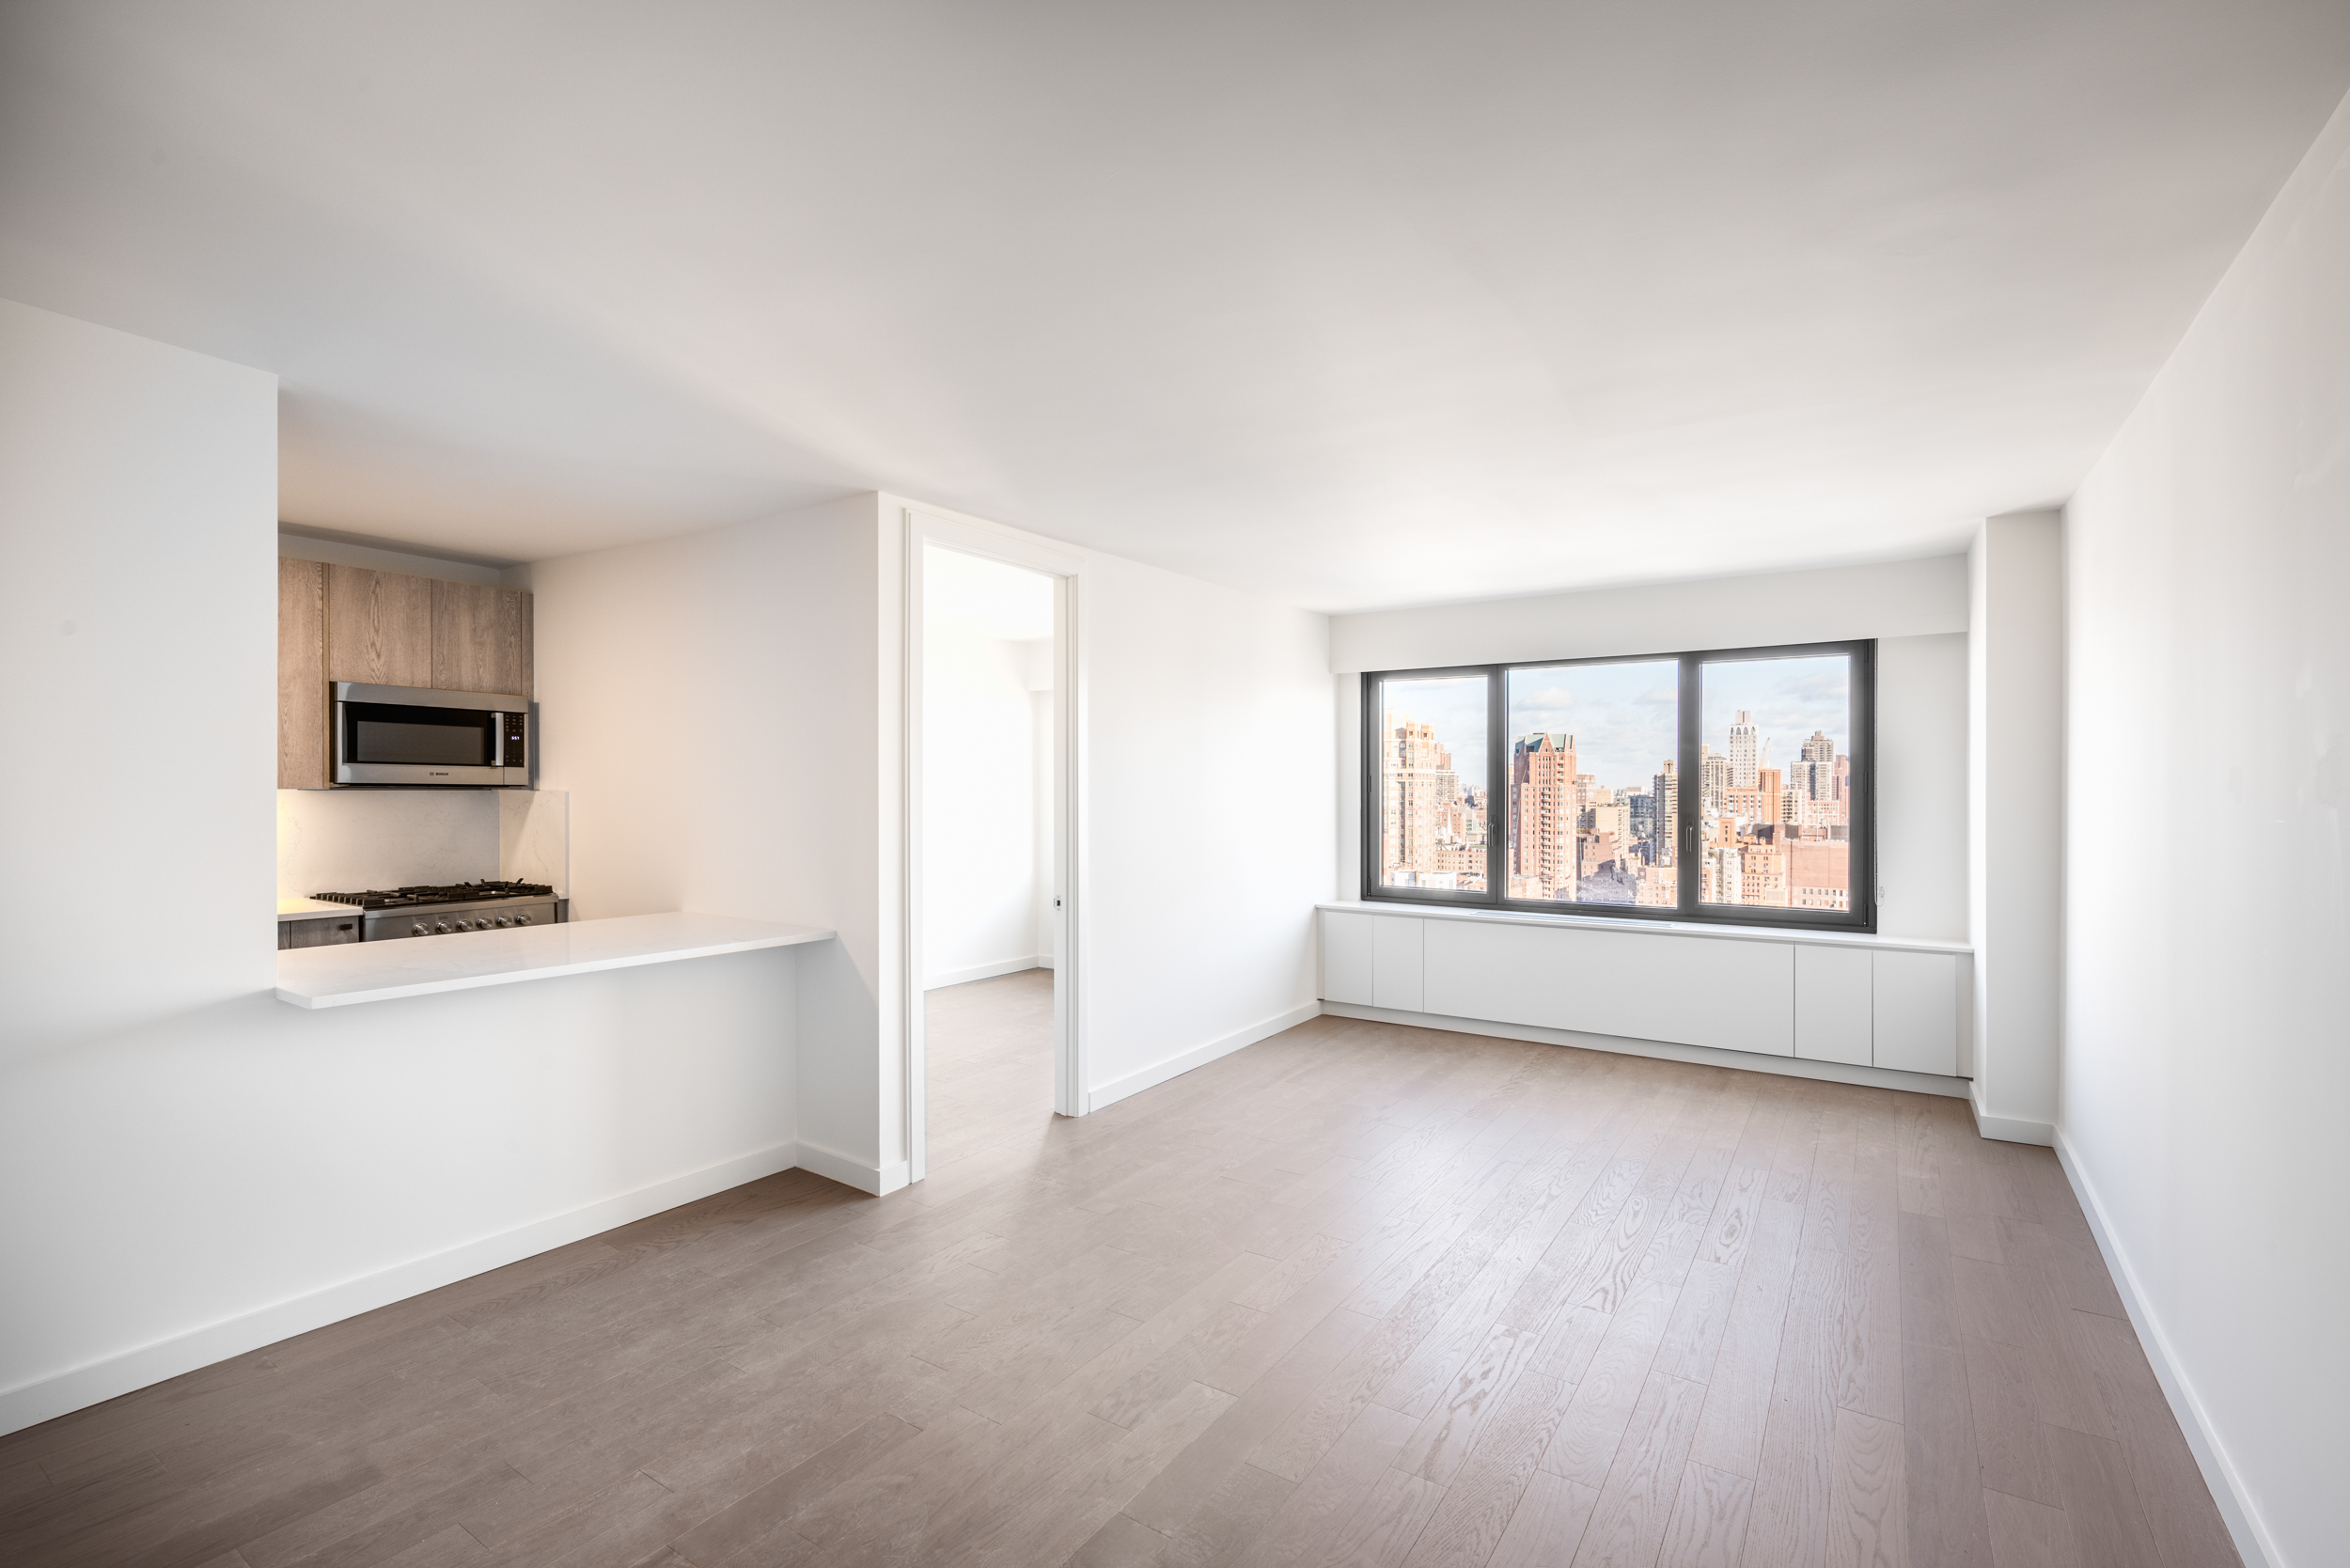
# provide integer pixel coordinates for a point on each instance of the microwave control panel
(510, 746)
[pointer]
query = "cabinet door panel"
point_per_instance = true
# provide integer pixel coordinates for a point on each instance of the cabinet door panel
(1346, 957)
(301, 675)
(1395, 963)
(1917, 1010)
(1835, 1017)
(378, 627)
(476, 638)
(328, 932)
(1735, 996)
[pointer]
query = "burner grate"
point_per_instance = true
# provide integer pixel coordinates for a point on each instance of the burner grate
(458, 892)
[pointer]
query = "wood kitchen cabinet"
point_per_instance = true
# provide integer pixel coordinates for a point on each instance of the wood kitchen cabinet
(386, 629)
(480, 640)
(301, 675)
(378, 627)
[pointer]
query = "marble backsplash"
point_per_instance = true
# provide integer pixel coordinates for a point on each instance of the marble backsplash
(344, 840)
(535, 838)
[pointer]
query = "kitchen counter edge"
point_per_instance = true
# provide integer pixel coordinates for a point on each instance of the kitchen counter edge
(354, 973)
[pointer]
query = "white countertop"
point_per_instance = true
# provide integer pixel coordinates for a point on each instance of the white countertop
(420, 965)
(310, 909)
(1654, 928)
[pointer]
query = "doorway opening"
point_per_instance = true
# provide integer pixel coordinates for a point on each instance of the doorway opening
(989, 872)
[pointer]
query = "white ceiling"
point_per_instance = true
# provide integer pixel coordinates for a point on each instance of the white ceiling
(1352, 303)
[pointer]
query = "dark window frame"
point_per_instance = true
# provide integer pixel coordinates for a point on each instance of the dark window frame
(1860, 831)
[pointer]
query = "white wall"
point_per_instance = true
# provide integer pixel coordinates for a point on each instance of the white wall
(1208, 751)
(710, 703)
(1921, 786)
(2206, 1059)
(981, 793)
(189, 1169)
(138, 492)
(1900, 598)
(1917, 610)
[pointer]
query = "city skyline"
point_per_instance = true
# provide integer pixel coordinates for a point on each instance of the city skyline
(1590, 812)
(1624, 717)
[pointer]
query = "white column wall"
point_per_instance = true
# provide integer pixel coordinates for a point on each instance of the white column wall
(1921, 786)
(710, 703)
(2207, 890)
(2014, 839)
(1210, 830)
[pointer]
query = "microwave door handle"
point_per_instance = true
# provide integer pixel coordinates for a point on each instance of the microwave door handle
(497, 737)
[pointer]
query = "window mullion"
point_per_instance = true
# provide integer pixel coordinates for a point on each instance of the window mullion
(1497, 784)
(1689, 848)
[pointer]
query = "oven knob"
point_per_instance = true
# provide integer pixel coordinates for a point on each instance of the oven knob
(419, 929)
(523, 920)
(505, 920)
(440, 926)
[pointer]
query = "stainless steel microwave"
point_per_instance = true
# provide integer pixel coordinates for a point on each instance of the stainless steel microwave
(416, 736)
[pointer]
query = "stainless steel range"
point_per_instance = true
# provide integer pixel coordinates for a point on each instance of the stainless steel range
(438, 910)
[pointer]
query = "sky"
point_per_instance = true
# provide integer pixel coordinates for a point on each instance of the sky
(1790, 698)
(1624, 716)
(1456, 706)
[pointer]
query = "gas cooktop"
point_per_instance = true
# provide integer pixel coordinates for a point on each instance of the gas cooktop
(455, 892)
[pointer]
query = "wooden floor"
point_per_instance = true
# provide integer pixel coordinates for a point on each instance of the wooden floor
(1358, 1295)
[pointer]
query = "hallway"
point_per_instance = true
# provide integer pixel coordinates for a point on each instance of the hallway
(990, 1058)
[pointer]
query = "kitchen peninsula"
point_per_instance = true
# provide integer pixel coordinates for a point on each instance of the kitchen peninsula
(383, 971)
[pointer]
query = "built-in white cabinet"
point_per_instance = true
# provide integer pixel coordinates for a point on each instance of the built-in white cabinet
(1855, 1003)
(1835, 1005)
(1733, 995)
(1372, 959)
(1920, 1009)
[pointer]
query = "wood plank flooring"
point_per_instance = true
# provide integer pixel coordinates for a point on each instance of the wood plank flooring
(1359, 1295)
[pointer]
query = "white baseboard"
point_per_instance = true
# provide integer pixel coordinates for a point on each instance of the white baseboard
(1198, 1056)
(1707, 1055)
(850, 1171)
(984, 971)
(44, 1399)
(2249, 1531)
(2007, 1129)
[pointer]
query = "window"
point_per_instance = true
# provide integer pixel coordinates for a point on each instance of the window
(1731, 786)
(1434, 796)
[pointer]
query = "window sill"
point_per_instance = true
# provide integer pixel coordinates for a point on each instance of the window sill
(1652, 928)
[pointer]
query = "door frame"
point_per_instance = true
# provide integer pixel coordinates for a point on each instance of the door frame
(922, 528)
